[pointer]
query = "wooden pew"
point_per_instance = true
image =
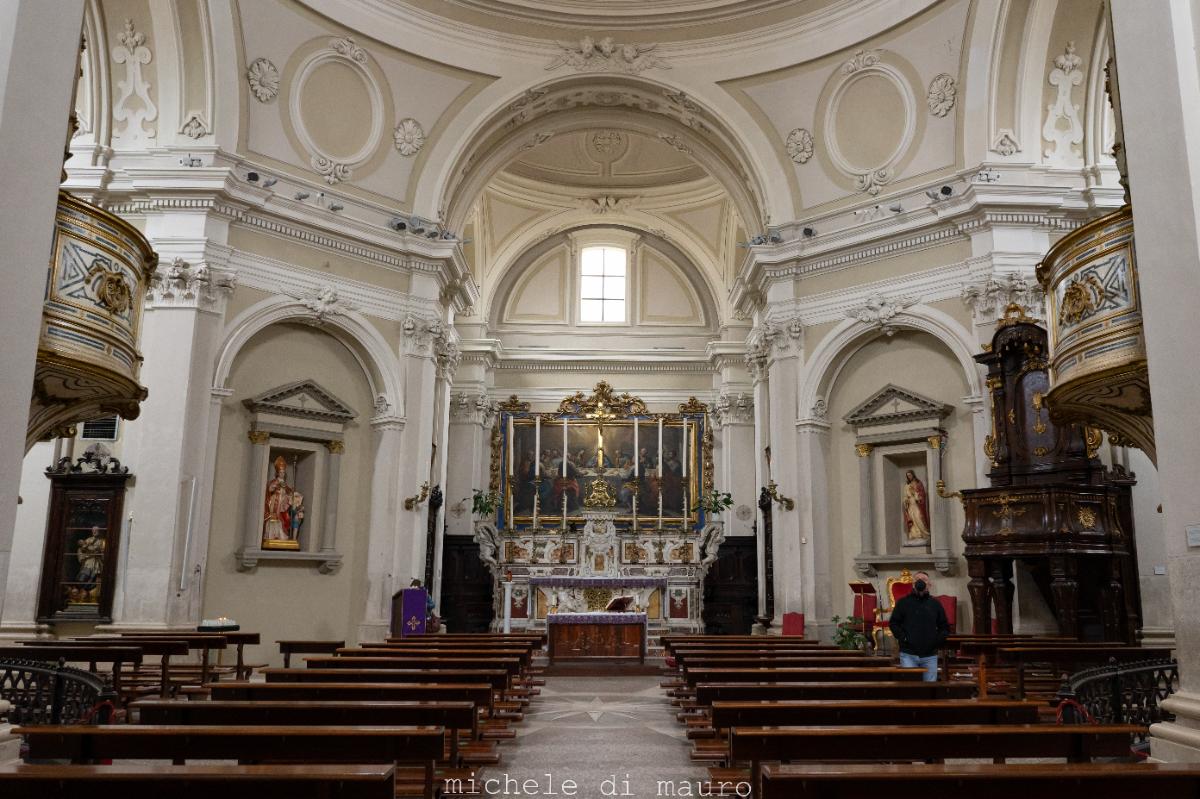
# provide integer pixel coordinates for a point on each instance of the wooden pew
(982, 780)
(289, 648)
(478, 693)
(203, 643)
(693, 675)
(454, 716)
(984, 651)
(512, 666)
(709, 692)
(80, 744)
(164, 650)
(497, 678)
(523, 656)
(197, 782)
(240, 640)
(1073, 743)
(835, 712)
(1071, 659)
(50, 652)
(782, 661)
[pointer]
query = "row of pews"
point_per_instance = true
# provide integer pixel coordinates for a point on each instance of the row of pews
(795, 718)
(404, 717)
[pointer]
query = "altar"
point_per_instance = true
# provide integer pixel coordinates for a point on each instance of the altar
(584, 636)
(601, 499)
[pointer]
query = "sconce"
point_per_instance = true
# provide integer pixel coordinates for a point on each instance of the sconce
(784, 502)
(412, 502)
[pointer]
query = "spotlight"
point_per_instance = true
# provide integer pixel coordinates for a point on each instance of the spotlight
(398, 224)
(252, 177)
(809, 232)
(418, 225)
(190, 160)
(302, 195)
(335, 207)
(269, 182)
(448, 236)
(896, 209)
(946, 191)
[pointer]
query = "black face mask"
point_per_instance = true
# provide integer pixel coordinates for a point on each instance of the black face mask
(920, 587)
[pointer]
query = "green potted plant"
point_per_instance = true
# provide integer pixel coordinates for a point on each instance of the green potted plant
(484, 503)
(714, 502)
(848, 633)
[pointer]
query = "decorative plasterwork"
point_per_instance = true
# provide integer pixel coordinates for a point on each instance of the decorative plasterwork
(263, 78)
(183, 285)
(869, 178)
(409, 137)
(303, 399)
(195, 127)
(322, 303)
(605, 55)
(1063, 128)
(425, 336)
(133, 106)
(475, 408)
(800, 145)
(988, 299)
(731, 409)
(335, 169)
(941, 95)
(1006, 143)
(879, 312)
(894, 404)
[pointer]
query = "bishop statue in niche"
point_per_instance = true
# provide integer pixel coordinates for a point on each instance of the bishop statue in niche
(915, 501)
(283, 511)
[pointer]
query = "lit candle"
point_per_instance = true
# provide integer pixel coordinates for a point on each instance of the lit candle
(537, 446)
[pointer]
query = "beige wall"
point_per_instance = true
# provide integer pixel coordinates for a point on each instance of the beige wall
(921, 363)
(283, 600)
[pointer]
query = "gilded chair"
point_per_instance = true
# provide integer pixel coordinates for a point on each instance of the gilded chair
(896, 589)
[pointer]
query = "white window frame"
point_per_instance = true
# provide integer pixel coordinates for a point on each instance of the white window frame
(610, 238)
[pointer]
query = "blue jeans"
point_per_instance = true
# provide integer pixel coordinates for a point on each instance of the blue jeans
(908, 661)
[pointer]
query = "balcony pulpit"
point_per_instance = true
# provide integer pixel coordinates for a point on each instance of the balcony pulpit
(1052, 504)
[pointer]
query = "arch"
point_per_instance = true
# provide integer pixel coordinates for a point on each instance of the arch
(582, 102)
(841, 343)
(365, 342)
(505, 281)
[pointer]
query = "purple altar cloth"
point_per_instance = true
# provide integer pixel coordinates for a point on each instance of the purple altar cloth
(412, 609)
(596, 618)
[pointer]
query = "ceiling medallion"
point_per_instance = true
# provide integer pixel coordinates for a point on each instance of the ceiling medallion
(605, 55)
(263, 78)
(942, 94)
(607, 141)
(800, 145)
(409, 136)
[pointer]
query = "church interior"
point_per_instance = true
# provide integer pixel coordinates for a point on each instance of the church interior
(599, 398)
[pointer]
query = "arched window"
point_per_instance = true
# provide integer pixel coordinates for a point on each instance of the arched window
(602, 282)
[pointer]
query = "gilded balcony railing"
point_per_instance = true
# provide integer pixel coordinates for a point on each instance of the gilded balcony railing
(88, 358)
(1097, 348)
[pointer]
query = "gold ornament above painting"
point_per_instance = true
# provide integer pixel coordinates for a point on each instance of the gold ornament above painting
(601, 453)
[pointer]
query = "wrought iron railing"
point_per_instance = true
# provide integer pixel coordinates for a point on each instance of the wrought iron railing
(1119, 693)
(52, 693)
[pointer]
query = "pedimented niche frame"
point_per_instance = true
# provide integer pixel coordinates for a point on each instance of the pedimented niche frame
(345, 51)
(867, 64)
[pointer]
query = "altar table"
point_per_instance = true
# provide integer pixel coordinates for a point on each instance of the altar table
(581, 636)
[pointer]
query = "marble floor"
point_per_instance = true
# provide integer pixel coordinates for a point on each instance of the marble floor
(613, 736)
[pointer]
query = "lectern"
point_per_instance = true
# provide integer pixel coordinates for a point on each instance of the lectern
(408, 612)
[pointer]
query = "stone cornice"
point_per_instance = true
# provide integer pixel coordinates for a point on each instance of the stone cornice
(872, 231)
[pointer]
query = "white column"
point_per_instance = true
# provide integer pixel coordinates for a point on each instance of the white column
(382, 526)
(757, 366)
(471, 416)
(39, 46)
(1160, 92)
(812, 510)
(733, 445)
(446, 361)
(791, 575)
(170, 445)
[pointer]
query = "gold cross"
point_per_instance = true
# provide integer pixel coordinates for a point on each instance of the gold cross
(413, 624)
(1007, 512)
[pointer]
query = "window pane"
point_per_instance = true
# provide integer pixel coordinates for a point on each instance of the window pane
(614, 261)
(614, 288)
(593, 260)
(614, 310)
(591, 310)
(591, 288)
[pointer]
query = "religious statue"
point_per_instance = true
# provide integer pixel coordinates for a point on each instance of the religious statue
(915, 502)
(90, 553)
(283, 512)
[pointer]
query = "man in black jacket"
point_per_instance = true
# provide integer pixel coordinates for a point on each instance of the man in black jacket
(919, 624)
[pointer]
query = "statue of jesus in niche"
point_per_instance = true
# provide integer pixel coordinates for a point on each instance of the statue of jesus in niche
(915, 502)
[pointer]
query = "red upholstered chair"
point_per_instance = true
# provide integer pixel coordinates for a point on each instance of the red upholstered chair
(865, 606)
(950, 605)
(793, 624)
(897, 589)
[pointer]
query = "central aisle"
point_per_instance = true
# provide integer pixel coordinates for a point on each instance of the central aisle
(592, 729)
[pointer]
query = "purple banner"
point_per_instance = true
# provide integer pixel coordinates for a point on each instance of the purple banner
(412, 610)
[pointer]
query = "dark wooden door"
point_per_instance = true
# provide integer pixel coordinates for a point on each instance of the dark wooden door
(731, 588)
(466, 605)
